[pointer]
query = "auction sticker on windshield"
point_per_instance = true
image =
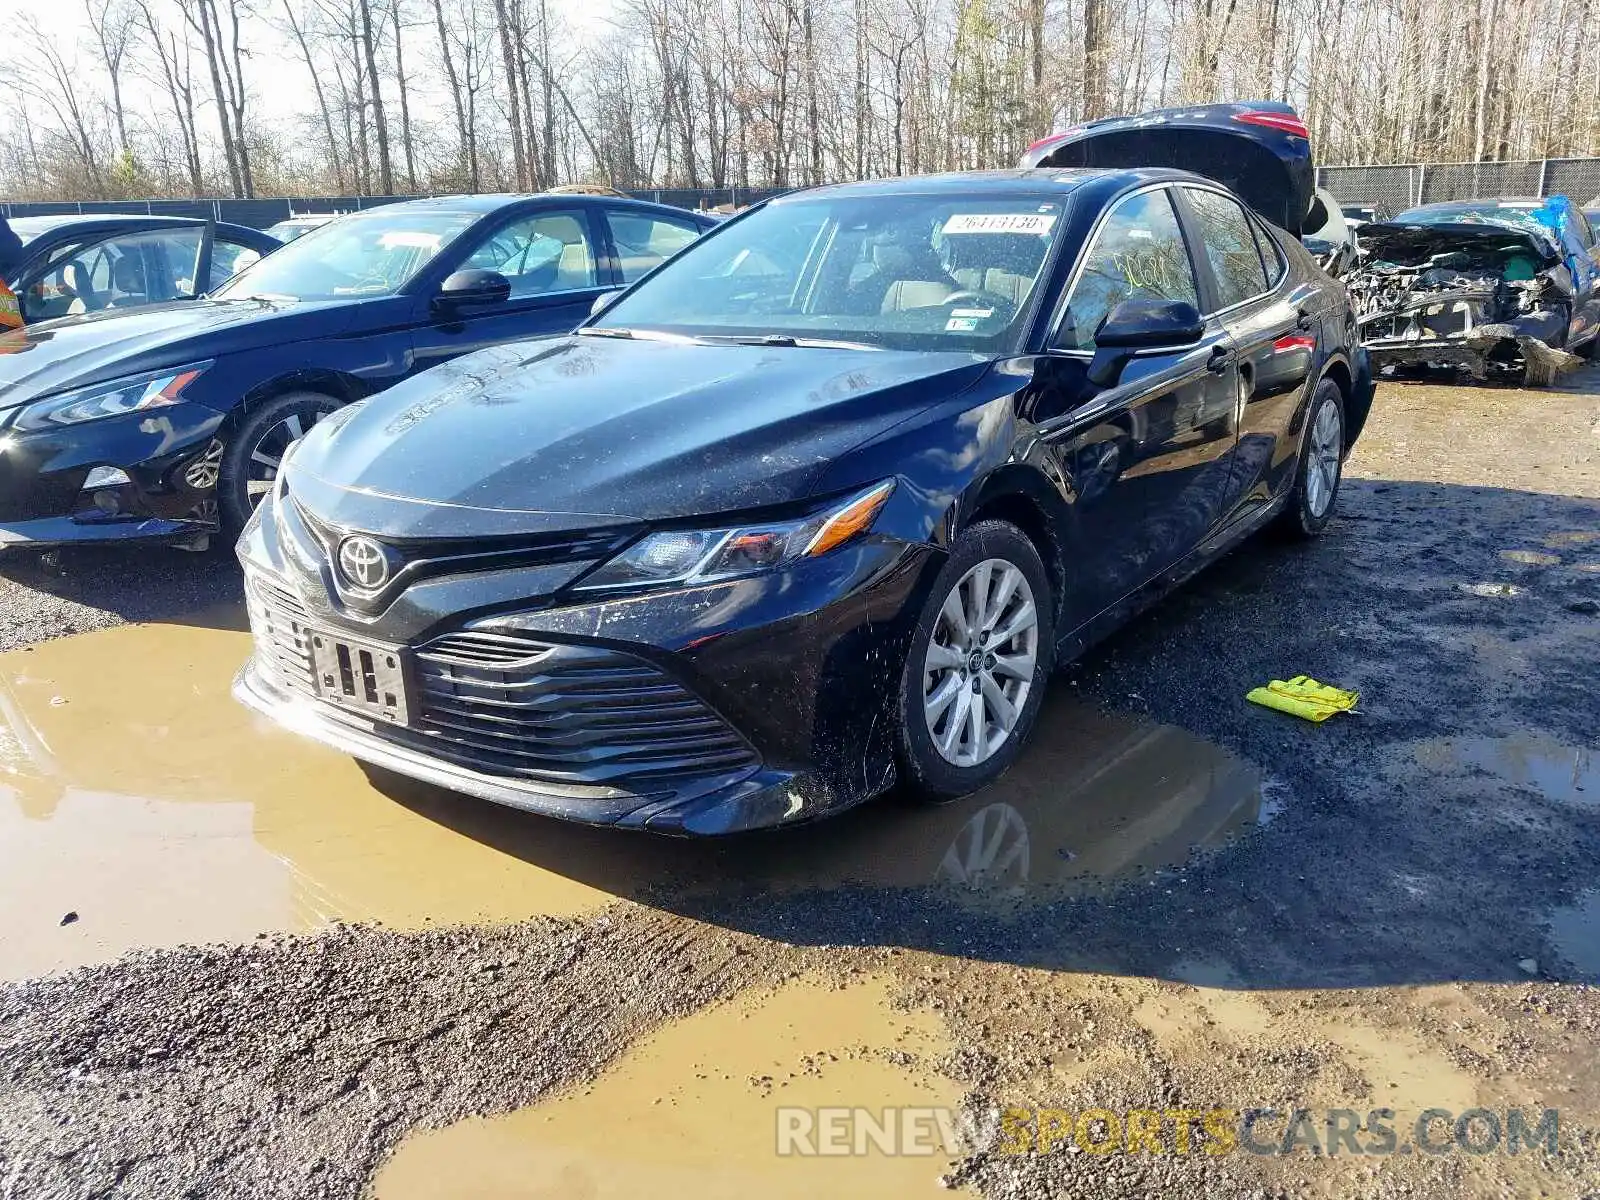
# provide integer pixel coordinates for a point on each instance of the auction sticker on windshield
(1035, 223)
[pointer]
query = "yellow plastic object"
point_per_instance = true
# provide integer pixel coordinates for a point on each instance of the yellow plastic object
(1303, 696)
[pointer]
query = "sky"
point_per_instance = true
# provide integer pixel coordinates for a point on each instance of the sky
(272, 53)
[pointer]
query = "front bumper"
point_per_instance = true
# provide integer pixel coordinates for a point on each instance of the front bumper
(799, 668)
(1478, 350)
(167, 455)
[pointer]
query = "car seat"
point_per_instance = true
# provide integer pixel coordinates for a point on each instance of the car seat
(909, 273)
(128, 285)
(80, 282)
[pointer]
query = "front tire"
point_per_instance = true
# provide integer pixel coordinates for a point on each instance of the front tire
(981, 655)
(254, 451)
(1321, 467)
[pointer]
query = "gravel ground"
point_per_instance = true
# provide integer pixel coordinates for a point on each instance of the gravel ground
(1401, 897)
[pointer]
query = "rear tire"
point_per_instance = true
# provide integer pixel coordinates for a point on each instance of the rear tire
(250, 460)
(1320, 470)
(979, 661)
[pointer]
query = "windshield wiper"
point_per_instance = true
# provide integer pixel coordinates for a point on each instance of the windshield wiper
(784, 339)
(643, 335)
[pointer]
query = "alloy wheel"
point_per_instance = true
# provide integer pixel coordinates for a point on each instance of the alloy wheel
(1325, 461)
(979, 665)
(266, 456)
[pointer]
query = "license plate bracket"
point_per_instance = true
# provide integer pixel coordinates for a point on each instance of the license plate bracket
(361, 676)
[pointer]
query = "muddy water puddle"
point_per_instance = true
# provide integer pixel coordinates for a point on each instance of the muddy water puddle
(1568, 774)
(141, 806)
(694, 1110)
(1575, 933)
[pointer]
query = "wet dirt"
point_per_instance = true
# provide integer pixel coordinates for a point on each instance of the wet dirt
(1236, 909)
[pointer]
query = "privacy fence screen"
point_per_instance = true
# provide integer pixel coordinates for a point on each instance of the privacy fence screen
(1402, 186)
(1391, 187)
(261, 213)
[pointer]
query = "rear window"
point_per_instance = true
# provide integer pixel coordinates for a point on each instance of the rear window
(1230, 244)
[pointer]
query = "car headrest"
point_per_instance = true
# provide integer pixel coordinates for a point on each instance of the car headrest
(128, 274)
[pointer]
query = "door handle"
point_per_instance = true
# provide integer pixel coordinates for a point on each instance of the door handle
(1304, 321)
(1221, 356)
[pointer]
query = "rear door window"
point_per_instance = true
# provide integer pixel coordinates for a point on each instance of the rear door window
(1271, 256)
(228, 258)
(1230, 245)
(1138, 254)
(643, 241)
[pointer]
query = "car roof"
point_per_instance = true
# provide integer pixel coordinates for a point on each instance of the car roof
(1013, 181)
(482, 204)
(34, 226)
(1450, 206)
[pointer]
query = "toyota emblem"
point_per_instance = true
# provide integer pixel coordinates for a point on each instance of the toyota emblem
(364, 562)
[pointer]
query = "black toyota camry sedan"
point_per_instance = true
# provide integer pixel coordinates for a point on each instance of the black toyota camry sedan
(167, 422)
(813, 508)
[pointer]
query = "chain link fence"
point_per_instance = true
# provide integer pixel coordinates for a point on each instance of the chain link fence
(1400, 186)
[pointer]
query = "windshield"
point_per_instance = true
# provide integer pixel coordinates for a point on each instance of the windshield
(954, 272)
(363, 254)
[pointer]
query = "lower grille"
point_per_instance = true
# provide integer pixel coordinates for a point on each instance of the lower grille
(282, 638)
(512, 706)
(570, 714)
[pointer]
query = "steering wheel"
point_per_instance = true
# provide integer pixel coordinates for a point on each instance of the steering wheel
(995, 303)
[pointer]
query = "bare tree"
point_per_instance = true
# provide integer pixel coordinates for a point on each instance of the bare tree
(405, 103)
(113, 23)
(172, 54)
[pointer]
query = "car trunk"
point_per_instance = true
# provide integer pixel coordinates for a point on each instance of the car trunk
(1259, 151)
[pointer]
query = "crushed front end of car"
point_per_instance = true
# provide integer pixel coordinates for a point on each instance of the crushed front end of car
(1493, 300)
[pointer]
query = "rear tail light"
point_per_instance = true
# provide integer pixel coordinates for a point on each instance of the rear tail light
(1281, 121)
(1047, 141)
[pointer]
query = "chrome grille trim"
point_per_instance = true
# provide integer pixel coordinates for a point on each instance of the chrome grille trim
(566, 712)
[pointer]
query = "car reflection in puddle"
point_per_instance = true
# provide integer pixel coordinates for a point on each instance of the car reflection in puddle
(1098, 798)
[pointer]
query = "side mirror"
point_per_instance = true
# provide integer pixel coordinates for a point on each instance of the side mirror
(603, 302)
(466, 288)
(1136, 325)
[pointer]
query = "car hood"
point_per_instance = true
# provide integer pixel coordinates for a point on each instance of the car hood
(1258, 151)
(588, 431)
(75, 351)
(1409, 245)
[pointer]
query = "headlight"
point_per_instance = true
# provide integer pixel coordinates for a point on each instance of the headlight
(110, 399)
(705, 555)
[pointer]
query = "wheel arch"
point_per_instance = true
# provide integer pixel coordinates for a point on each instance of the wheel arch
(1019, 495)
(337, 385)
(1337, 369)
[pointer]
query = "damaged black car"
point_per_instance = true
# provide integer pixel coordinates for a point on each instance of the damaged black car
(815, 507)
(1503, 290)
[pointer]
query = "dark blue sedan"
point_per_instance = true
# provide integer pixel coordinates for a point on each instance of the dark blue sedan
(168, 421)
(818, 505)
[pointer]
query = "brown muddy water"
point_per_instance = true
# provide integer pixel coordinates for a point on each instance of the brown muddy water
(693, 1109)
(141, 806)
